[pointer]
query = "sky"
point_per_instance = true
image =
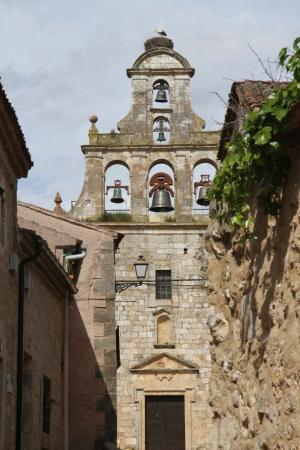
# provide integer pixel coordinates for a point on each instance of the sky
(64, 60)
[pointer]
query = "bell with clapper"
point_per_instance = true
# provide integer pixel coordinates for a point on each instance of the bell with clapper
(161, 201)
(161, 96)
(161, 126)
(161, 136)
(204, 184)
(117, 194)
(162, 192)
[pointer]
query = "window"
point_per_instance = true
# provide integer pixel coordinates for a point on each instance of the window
(2, 391)
(2, 214)
(161, 94)
(72, 266)
(46, 404)
(118, 347)
(161, 131)
(163, 284)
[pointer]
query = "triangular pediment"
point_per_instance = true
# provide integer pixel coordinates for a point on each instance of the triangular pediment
(164, 363)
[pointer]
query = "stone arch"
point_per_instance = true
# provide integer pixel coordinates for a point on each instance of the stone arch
(204, 170)
(206, 161)
(165, 167)
(183, 62)
(159, 80)
(116, 161)
(162, 161)
(161, 130)
(117, 176)
(161, 88)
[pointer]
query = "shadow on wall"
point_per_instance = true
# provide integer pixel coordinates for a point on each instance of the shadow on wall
(92, 416)
(273, 247)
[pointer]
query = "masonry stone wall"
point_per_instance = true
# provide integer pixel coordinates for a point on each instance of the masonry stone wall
(92, 341)
(179, 360)
(8, 303)
(137, 309)
(134, 145)
(44, 344)
(139, 162)
(255, 290)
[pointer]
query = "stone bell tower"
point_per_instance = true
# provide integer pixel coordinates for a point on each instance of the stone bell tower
(162, 337)
(159, 65)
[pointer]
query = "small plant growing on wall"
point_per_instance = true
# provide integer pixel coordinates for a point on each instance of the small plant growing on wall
(257, 157)
(115, 217)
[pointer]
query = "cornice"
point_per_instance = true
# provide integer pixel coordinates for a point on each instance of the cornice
(89, 148)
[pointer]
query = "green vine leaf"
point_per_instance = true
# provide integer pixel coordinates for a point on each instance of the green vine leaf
(256, 161)
(263, 136)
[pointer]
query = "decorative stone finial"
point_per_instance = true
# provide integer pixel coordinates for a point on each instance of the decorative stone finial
(93, 119)
(58, 209)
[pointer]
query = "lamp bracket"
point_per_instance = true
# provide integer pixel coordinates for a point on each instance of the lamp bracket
(122, 285)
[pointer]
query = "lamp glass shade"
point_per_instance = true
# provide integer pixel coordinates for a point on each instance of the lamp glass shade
(141, 269)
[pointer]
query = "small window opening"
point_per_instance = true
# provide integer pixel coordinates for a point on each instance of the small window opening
(46, 404)
(163, 284)
(2, 214)
(203, 174)
(161, 131)
(161, 94)
(73, 266)
(118, 347)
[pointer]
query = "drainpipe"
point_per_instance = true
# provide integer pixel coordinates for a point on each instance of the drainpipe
(66, 353)
(20, 337)
(77, 256)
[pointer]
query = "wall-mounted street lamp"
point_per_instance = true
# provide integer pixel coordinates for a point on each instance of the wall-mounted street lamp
(141, 267)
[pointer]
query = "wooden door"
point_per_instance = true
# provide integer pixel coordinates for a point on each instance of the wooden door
(165, 422)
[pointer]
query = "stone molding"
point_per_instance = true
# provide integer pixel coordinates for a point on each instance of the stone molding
(151, 365)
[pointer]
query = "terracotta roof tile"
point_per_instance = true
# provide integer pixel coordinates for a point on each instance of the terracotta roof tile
(18, 152)
(245, 96)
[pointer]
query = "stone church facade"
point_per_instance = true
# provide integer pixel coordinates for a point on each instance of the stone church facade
(161, 324)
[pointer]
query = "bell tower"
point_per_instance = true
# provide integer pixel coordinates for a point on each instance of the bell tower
(161, 127)
(161, 90)
(148, 181)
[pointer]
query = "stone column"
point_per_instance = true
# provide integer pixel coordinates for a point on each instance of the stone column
(183, 185)
(138, 180)
(91, 199)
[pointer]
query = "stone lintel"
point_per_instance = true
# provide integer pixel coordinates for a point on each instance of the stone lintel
(148, 148)
(186, 227)
(163, 72)
(164, 345)
(161, 110)
(155, 371)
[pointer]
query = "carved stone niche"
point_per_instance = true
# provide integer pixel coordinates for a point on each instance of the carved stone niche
(164, 337)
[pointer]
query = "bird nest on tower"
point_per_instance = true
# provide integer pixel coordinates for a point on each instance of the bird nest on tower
(158, 41)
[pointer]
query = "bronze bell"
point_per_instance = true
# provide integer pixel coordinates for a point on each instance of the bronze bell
(203, 199)
(161, 137)
(161, 96)
(161, 201)
(117, 196)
